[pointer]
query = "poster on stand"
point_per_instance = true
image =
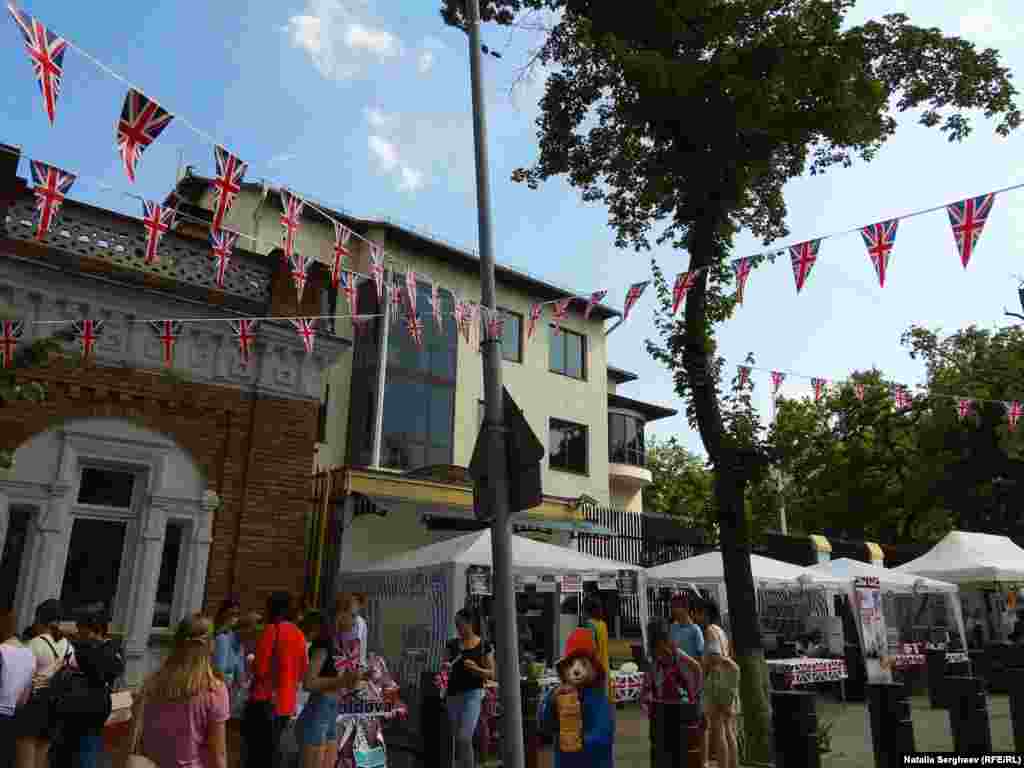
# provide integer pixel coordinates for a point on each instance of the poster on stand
(866, 600)
(547, 583)
(607, 581)
(479, 579)
(627, 583)
(571, 584)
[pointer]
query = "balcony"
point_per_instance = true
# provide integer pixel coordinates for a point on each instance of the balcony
(626, 452)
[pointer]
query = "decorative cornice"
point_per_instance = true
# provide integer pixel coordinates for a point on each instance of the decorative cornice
(26, 491)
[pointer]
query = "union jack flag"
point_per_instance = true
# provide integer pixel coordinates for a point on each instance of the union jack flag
(227, 185)
(157, 222)
(245, 332)
(167, 331)
(290, 220)
(741, 269)
(858, 391)
(459, 313)
(636, 290)
(342, 235)
(469, 316)
(46, 49)
(535, 312)
(300, 273)
(410, 290)
(397, 300)
(223, 244)
(142, 120)
(377, 268)
(435, 306)
(803, 257)
(880, 239)
(963, 408)
(684, 282)
(52, 185)
(1013, 414)
(307, 331)
(415, 326)
(559, 312)
(595, 298)
(349, 288)
(88, 331)
(9, 341)
(901, 398)
(968, 218)
(744, 375)
(495, 327)
(777, 378)
(819, 388)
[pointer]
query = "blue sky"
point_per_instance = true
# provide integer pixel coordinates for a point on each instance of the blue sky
(366, 105)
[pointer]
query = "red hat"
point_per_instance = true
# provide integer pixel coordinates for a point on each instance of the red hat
(581, 643)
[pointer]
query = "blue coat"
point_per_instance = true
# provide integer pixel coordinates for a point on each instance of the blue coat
(598, 730)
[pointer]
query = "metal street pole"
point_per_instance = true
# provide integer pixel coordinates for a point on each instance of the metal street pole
(513, 753)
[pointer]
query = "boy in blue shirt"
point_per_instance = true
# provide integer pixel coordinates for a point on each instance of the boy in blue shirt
(687, 636)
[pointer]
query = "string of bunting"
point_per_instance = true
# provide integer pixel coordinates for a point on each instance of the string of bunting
(142, 122)
(902, 398)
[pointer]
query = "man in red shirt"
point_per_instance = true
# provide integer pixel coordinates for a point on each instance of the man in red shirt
(277, 672)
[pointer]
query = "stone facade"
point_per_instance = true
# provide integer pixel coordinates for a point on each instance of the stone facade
(246, 433)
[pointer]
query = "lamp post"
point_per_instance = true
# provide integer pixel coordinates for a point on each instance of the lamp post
(513, 752)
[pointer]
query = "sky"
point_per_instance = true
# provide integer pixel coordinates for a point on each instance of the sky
(365, 104)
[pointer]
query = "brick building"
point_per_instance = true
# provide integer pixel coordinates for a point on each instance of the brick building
(109, 497)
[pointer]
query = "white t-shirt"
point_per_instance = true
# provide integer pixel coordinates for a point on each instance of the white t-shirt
(19, 666)
(361, 632)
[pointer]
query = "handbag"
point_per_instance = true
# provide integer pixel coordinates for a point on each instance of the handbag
(135, 759)
(365, 755)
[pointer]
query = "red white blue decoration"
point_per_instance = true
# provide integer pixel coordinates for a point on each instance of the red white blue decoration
(227, 185)
(559, 312)
(415, 326)
(410, 291)
(1013, 414)
(963, 408)
(11, 332)
(435, 306)
(46, 50)
(167, 331)
(157, 222)
(741, 269)
(744, 371)
(968, 218)
(777, 378)
(88, 332)
(901, 398)
(290, 220)
(803, 257)
(223, 244)
(50, 185)
(142, 120)
(349, 288)
(299, 265)
(377, 268)
(858, 392)
(535, 312)
(684, 282)
(819, 388)
(245, 332)
(595, 298)
(880, 239)
(306, 328)
(342, 235)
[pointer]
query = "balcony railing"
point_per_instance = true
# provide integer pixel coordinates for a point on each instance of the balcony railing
(627, 454)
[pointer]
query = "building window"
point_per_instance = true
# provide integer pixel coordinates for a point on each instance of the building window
(625, 439)
(93, 567)
(169, 574)
(511, 335)
(419, 397)
(566, 353)
(106, 488)
(567, 446)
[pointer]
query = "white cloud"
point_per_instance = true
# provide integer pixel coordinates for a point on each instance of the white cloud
(385, 152)
(376, 118)
(340, 41)
(411, 180)
(982, 24)
(425, 62)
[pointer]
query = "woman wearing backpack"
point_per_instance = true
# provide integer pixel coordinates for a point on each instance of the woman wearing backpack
(53, 652)
(17, 665)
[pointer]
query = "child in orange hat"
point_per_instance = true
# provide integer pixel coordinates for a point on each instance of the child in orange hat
(578, 711)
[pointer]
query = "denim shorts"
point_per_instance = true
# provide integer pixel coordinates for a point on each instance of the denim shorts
(318, 723)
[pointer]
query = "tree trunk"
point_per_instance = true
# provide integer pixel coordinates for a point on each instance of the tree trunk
(730, 486)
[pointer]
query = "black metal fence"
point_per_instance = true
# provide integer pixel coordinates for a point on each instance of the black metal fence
(640, 539)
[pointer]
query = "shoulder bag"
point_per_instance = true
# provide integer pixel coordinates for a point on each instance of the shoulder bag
(135, 759)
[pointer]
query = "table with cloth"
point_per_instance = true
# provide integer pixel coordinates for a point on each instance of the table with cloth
(792, 673)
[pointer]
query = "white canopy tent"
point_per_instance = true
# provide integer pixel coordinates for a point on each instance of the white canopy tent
(965, 558)
(846, 569)
(426, 586)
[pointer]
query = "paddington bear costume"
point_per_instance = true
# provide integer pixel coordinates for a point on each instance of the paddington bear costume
(577, 713)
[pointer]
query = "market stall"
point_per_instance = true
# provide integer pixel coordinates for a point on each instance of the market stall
(988, 570)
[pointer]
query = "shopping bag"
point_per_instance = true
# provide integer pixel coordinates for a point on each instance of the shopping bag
(365, 755)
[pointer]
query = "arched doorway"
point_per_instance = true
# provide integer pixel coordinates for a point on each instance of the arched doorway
(102, 511)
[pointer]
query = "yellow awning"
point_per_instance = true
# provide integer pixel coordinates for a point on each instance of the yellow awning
(875, 552)
(820, 543)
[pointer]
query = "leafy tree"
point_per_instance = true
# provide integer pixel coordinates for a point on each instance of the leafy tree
(681, 482)
(686, 118)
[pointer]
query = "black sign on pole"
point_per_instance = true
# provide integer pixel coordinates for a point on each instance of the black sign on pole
(524, 451)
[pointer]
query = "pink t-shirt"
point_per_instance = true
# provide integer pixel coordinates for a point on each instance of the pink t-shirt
(175, 735)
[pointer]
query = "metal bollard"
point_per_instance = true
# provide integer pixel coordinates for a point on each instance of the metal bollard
(1014, 679)
(935, 662)
(437, 737)
(892, 730)
(530, 696)
(795, 730)
(675, 743)
(968, 715)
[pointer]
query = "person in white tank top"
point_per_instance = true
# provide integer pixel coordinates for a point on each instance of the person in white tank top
(18, 666)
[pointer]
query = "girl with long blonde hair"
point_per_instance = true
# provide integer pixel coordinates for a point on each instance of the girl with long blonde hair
(182, 709)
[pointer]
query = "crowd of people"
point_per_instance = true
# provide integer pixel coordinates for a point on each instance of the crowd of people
(692, 668)
(269, 682)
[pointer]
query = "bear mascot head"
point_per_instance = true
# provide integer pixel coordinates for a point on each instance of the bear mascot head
(579, 666)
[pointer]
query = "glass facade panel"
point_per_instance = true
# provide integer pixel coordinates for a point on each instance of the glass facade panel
(566, 353)
(567, 446)
(625, 439)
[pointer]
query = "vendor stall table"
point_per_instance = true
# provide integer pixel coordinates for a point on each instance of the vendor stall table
(626, 686)
(796, 672)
